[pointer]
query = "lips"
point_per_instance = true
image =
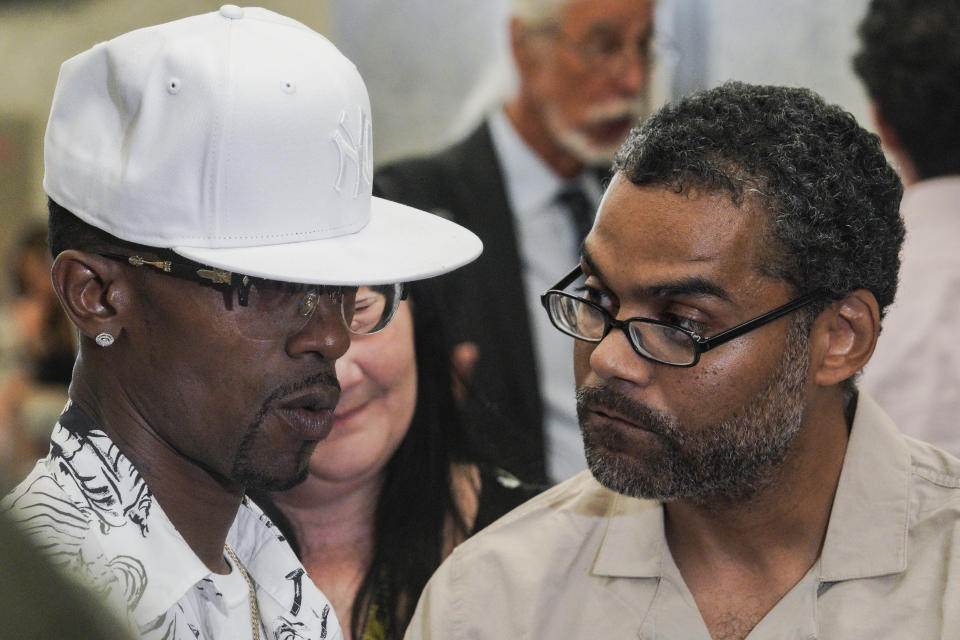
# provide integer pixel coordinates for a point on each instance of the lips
(346, 412)
(310, 414)
(613, 129)
(612, 415)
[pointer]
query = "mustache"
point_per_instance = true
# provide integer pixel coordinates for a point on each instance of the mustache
(606, 400)
(614, 110)
(326, 378)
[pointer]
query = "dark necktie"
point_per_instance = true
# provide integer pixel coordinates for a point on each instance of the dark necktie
(581, 209)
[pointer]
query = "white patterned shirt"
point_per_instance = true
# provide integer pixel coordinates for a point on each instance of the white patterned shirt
(91, 512)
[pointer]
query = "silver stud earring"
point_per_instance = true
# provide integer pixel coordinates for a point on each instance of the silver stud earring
(104, 339)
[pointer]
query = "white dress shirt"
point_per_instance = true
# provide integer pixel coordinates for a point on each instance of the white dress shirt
(915, 371)
(549, 248)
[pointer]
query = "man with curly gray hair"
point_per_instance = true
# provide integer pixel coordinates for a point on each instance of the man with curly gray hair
(909, 61)
(733, 285)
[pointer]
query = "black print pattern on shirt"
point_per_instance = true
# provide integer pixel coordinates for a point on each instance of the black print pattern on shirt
(297, 577)
(91, 512)
(118, 495)
(116, 498)
(287, 630)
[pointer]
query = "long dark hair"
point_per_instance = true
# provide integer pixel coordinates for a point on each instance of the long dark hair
(417, 496)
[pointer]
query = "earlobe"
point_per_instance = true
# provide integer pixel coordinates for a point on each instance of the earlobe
(89, 292)
(843, 337)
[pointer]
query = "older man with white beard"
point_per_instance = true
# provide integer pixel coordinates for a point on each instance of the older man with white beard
(528, 182)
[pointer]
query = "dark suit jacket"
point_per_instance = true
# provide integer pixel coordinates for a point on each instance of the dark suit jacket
(504, 415)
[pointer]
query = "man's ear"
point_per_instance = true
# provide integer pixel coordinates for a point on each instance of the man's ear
(522, 48)
(92, 291)
(843, 337)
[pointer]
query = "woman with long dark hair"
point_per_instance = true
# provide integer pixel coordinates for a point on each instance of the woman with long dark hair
(393, 488)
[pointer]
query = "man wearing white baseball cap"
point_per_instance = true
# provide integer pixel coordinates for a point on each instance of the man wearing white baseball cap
(212, 222)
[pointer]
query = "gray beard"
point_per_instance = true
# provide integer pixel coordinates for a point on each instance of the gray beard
(730, 460)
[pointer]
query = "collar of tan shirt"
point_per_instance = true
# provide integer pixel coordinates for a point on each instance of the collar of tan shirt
(867, 533)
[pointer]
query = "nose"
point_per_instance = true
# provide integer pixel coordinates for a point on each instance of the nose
(632, 75)
(324, 334)
(613, 358)
(349, 372)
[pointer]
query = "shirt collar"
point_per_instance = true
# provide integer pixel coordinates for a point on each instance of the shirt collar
(131, 522)
(134, 526)
(869, 522)
(634, 545)
(866, 535)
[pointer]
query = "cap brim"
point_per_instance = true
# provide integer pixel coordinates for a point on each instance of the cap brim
(399, 244)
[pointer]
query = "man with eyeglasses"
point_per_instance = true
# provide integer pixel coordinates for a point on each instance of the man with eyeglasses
(740, 486)
(528, 181)
(215, 244)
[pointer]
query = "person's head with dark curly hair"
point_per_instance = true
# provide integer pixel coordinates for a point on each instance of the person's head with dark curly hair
(832, 199)
(741, 204)
(909, 60)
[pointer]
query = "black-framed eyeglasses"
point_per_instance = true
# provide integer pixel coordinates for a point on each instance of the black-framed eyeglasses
(654, 340)
(272, 308)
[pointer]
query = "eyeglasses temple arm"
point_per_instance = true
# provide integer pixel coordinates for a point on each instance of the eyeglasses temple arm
(705, 344)
(564, 282)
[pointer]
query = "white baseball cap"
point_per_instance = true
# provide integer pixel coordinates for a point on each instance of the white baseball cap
(240, 139)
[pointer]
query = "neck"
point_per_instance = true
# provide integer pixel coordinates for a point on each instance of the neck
(181, 487)
(334, 524)
(531, 124)
(776, 534)
(344, 512)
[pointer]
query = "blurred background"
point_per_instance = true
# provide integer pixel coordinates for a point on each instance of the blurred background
(432, 69)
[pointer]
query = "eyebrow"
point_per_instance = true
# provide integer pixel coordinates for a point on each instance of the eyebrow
(604, 28)
(690, 286)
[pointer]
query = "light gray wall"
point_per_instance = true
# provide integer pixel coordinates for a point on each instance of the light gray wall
(796, 42)
(422, 61)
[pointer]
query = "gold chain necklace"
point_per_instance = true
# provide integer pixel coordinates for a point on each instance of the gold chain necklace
(254, 609)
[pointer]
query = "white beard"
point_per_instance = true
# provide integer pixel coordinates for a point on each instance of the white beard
(578, 144)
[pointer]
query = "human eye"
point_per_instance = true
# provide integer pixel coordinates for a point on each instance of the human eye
(370, 303)
(596, 295)
(684, 322)
(602, 47)
(644, 47)
(268, 294)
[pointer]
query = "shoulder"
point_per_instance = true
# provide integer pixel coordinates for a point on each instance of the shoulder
(510, 578)
(436, 176)
(501, 492)
(49, 507)
(936, 479)
(544, 533)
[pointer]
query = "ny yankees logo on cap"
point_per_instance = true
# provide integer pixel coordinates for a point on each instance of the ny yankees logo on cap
(354, 146)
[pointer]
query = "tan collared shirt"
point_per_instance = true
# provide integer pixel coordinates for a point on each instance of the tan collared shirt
(580, 561)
